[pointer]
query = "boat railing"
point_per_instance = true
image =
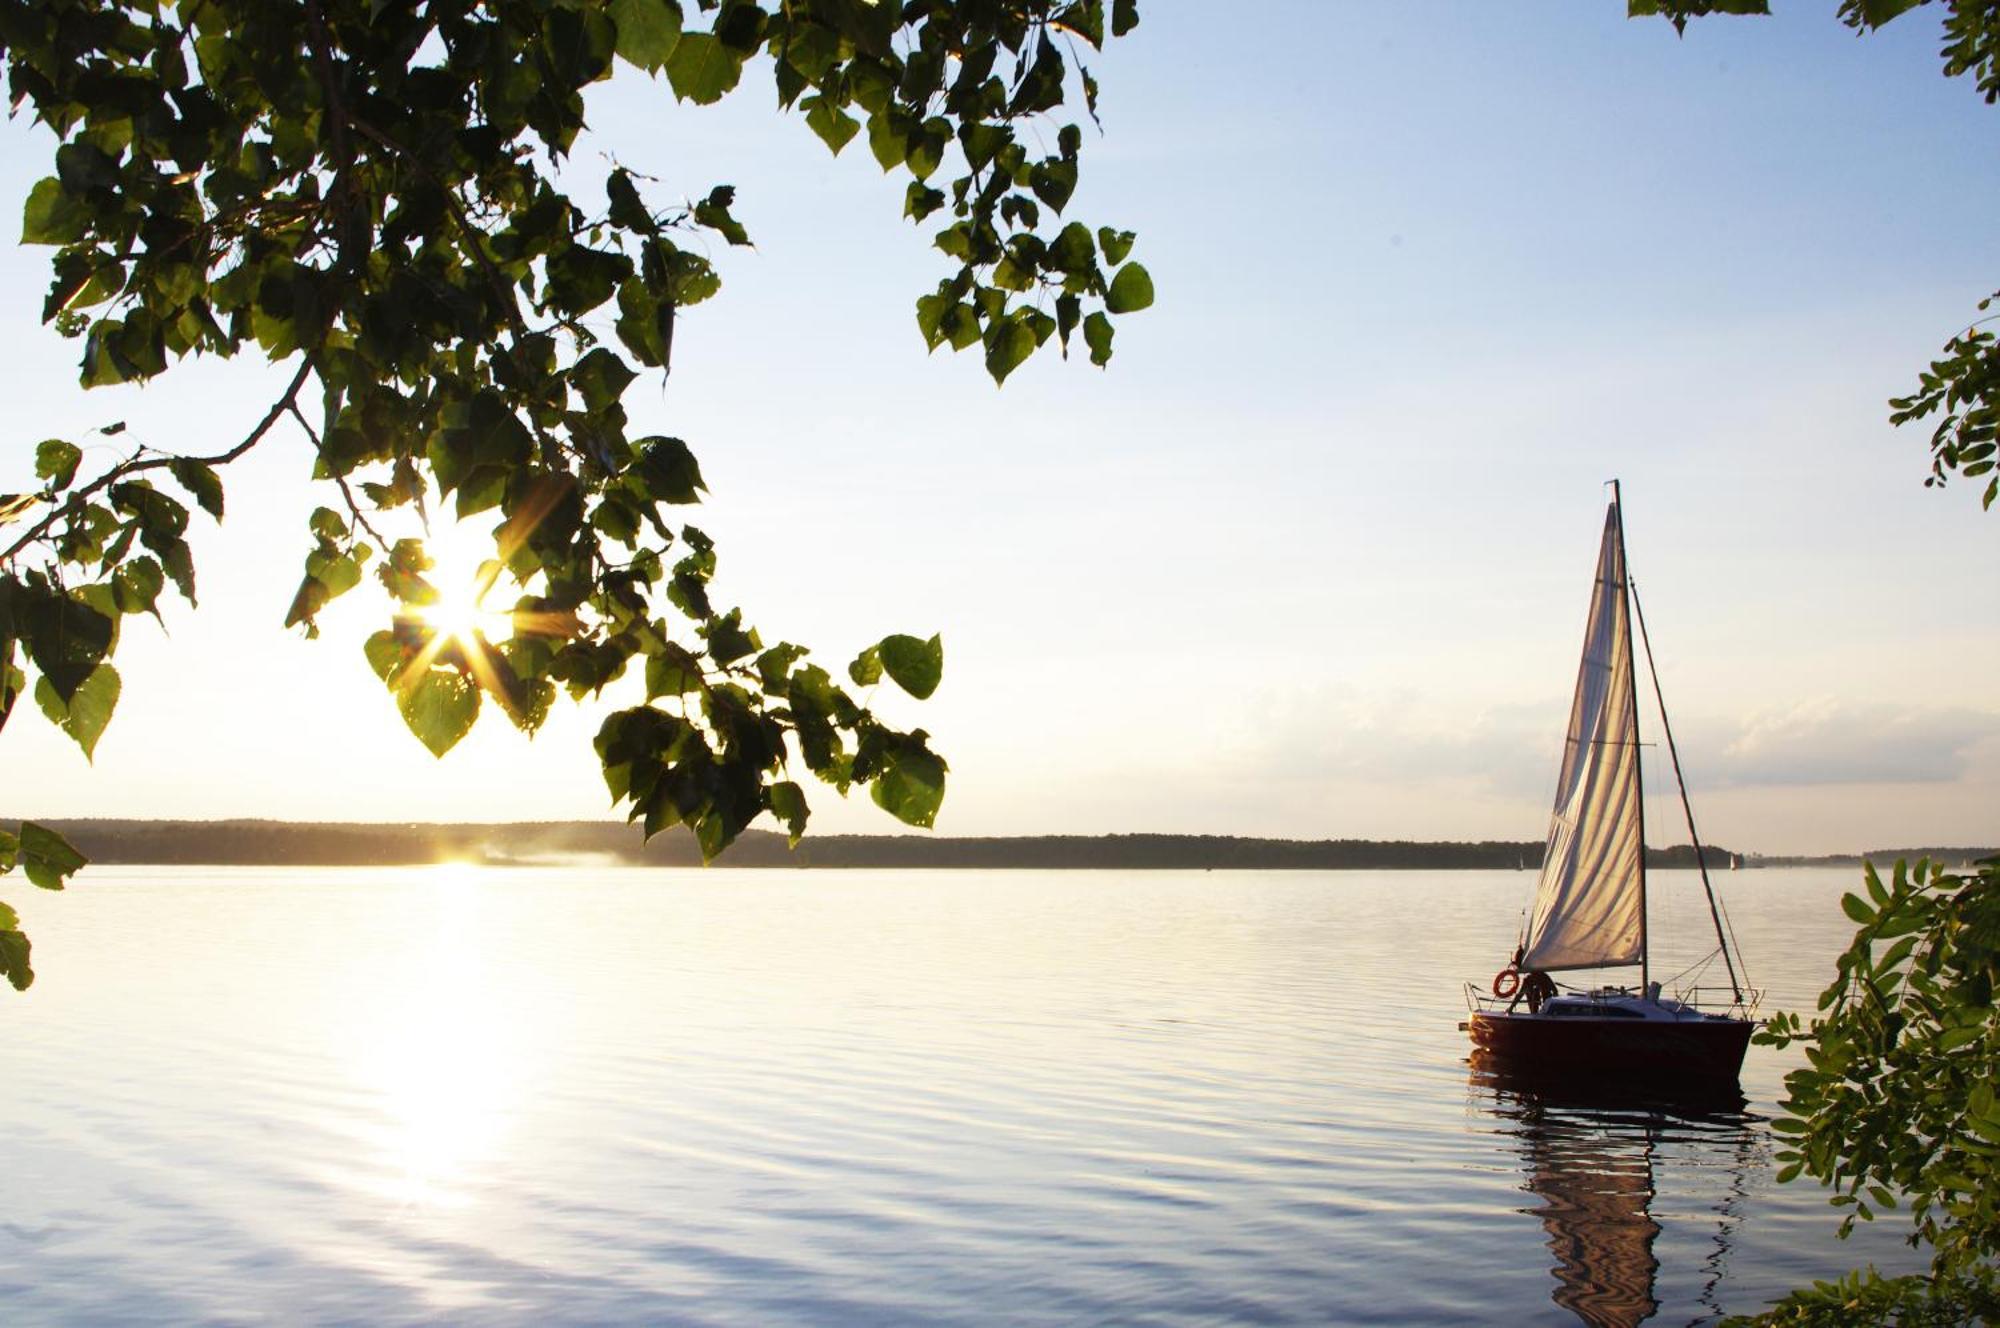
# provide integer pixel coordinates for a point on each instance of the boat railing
(1707, 1000)
(1721, 1000)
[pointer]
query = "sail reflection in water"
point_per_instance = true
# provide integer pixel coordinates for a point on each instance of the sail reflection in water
(1600, 1163)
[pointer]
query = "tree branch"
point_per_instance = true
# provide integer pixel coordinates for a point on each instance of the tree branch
(353, 507)
(135, 466)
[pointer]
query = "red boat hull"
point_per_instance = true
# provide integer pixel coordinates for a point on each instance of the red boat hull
(1708, 1048)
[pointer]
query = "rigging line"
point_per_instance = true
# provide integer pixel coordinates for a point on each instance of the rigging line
(1697, 968)
(1667, 728)
(1731, 924)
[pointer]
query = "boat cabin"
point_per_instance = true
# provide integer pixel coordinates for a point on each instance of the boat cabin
(1618, 1003)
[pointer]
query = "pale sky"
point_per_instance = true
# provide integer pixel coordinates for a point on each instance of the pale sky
(1311, 558)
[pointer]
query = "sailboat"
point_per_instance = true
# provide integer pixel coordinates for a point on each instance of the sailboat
(1589, 910)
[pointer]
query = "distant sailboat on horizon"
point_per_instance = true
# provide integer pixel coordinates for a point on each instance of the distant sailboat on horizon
(1590, 900)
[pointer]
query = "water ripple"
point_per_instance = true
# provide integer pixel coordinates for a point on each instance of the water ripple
(540, 1096)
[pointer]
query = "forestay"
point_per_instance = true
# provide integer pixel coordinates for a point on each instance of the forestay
(1590, 904)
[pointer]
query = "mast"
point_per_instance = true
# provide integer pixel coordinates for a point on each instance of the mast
(1700, 858)
(1638, 767)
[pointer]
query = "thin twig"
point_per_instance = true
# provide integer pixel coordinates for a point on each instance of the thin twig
(353, 507)
(135, 466)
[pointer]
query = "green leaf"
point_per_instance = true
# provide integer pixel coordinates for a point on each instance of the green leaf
(52, 216)
(339, 574)
(920, 200)
(439, 708)
(728, 640)
(1053, 182)
(579, 279)
(1008, 343)
(931, 311)
(385, 655)
(601, 378)
(917, 666)
(1073, 250)
(87, 711)
(14, 960)
(1874, 13)
(866, 670)
(627, 208)
(788, 803)
(834, 126)
(1086, 19)
(326, 524)
(47, 858)
(1679, 11)
(910, 786)
(714, 213)
(56, 461)
(887, 140)
(648, 31)
(1115, 244)
(701, 69)
(1857, 908)
(666, 471)
(1131, 290)
(201, 481)
(672, 671)
(982, 142)
(926, 150)
(13, 681)
(1097, 335)
(65, 638)
(1953, 1039)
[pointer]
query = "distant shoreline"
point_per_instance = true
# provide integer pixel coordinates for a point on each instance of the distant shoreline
(313, 844)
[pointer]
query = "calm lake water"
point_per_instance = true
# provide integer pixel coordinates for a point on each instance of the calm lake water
(459, 1095)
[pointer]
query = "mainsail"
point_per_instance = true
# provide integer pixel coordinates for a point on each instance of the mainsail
(1590, 903)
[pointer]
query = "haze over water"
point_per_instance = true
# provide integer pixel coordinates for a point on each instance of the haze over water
(483, 1096)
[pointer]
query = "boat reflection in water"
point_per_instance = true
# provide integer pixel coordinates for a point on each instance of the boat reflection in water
(1608, 1164)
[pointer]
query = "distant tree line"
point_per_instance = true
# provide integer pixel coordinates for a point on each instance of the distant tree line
(282, 843)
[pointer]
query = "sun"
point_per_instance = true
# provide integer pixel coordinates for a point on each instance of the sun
(465, 574)
(459, 610)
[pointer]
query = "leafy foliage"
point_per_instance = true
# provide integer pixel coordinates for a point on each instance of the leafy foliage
(1678, 12)
(1867, 1297)
(1899, 1102)
(370, 193)
(1965, 385)
(47, 860)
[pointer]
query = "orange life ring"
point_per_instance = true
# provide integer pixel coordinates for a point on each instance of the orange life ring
(1506, 982)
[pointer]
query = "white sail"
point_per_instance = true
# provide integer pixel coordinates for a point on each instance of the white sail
(1590, 904)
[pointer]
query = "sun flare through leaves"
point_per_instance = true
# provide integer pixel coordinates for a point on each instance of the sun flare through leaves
(397, 206)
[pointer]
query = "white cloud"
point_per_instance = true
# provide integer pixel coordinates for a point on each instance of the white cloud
(1828, 741)
(1389, 739)
(1511, 752)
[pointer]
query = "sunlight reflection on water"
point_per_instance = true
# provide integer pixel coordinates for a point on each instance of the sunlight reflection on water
(539, 1095)
(442, 1062)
